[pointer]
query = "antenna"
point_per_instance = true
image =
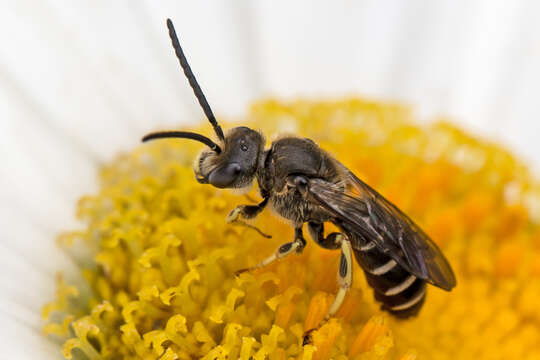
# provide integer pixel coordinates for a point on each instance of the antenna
(193, 81)
(183, 135)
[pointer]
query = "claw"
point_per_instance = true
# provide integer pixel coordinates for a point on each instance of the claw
(241, 271)
(307, 339)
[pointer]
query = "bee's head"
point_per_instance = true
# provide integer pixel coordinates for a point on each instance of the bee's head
(235, 165)
(230, 163)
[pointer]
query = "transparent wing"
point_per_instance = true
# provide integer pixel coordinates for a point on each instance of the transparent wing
(365, 212)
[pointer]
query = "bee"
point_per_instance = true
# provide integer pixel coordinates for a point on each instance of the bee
(305, 184)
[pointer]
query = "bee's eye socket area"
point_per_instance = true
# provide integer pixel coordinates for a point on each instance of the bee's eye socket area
(225, 176)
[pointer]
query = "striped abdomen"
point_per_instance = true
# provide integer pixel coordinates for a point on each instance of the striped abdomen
(401, 293)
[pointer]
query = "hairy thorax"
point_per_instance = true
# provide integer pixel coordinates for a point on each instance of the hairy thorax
(289, 157)
(292, 206)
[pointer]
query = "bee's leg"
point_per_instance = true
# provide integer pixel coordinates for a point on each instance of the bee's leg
(344, 276)
(247, 212)
(344, 281)
(316, 231)
(284, 250)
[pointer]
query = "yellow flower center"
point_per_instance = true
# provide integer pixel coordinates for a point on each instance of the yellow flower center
(158, 257)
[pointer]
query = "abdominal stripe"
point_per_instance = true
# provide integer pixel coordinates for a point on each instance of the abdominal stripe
(399, 291)
(408, 304)
(383, 269)
(399, 288)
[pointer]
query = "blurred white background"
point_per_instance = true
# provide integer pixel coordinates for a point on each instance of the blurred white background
(83, 80)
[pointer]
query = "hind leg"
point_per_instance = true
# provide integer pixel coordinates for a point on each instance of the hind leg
(344, 276)
(331, 242)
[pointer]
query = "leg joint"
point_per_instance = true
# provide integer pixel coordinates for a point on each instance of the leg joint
(287, 249)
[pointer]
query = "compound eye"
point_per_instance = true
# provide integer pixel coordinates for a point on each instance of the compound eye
(225, 176)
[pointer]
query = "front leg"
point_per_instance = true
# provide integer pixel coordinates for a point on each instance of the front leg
(247, 212)
(283, 251)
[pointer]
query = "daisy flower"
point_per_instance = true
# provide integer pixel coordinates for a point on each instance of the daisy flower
(143, 263)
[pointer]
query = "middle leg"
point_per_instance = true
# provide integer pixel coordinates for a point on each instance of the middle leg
(284, 250)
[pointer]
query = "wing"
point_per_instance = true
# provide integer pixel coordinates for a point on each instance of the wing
(362, 210)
